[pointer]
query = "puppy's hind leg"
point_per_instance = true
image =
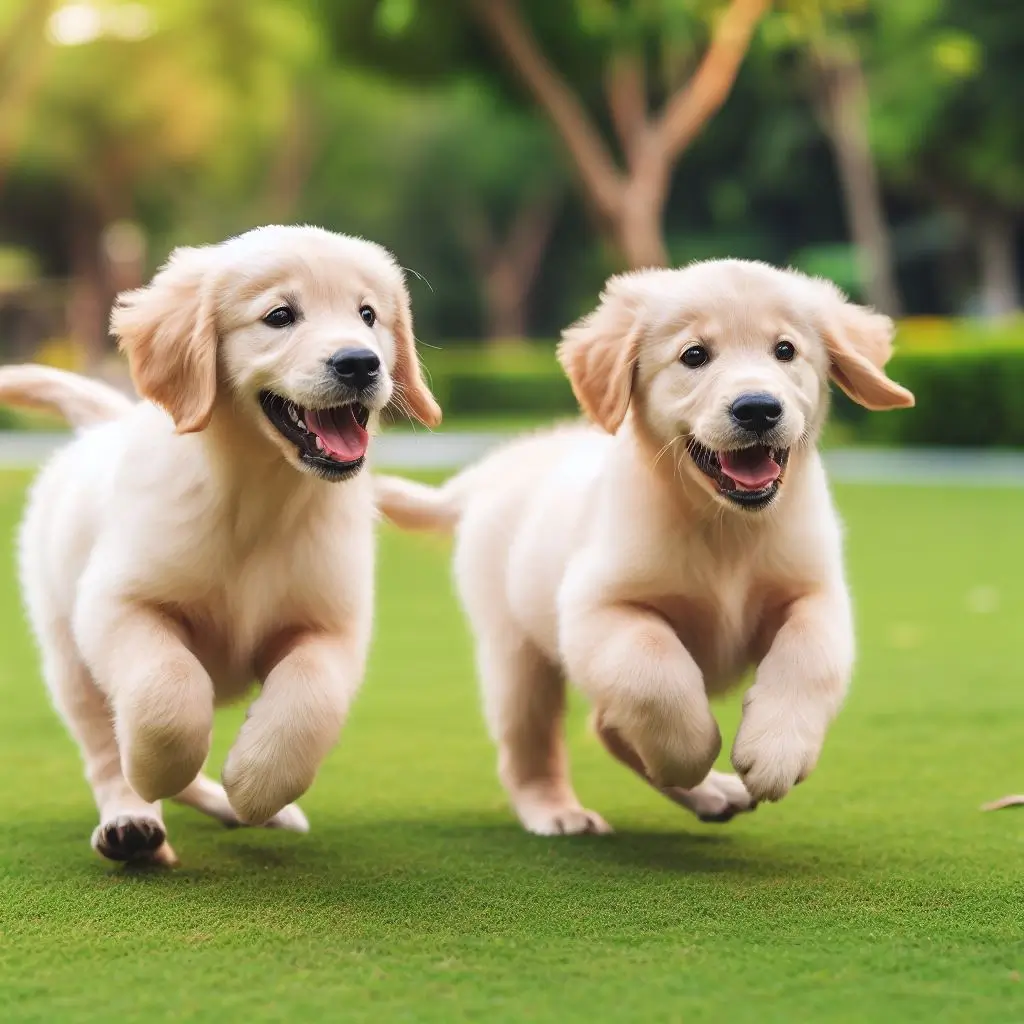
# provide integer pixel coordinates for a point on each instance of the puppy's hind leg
(524, 702)
(209, 797)
(130, 828)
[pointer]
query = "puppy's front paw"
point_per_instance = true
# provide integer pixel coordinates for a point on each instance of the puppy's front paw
(679, 757)
(259, 793)
(718, 799)
(133, 837)
(775, 748)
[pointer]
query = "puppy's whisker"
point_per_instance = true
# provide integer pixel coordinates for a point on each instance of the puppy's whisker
(419, 277)
(664, 448)
(400, 402)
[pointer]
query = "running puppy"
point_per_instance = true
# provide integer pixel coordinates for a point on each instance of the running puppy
(655, 559)
(221, 530)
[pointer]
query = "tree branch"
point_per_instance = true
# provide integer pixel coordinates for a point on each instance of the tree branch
(689, 109)
(626, 90)
(503, 21)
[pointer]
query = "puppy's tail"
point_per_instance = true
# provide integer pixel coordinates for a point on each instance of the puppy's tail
(82, 401)
(415, 506)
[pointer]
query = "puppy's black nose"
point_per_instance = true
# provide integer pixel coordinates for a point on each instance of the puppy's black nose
(756, 411)
(356, 367)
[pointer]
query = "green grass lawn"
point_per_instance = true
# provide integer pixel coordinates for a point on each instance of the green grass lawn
(876, 891)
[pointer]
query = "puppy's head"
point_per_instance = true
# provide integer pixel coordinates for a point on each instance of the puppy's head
(729, 360)
(306, 333)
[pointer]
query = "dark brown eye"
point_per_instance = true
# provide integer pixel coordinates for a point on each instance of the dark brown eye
(785, 351)
(368, 315)
(694, 356)
(283, 316)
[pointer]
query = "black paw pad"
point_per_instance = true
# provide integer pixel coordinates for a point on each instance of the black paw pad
(126, 839)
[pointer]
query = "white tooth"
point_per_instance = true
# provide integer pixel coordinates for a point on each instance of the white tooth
(301, 425)
(319, 445)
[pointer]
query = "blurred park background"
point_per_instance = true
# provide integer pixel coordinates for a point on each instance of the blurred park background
(513, 153)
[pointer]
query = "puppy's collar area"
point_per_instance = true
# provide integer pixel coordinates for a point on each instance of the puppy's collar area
(332, 442)
(749, 477)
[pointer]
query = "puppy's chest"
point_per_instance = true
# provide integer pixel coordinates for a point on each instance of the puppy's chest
(728, 627)
(239, 623)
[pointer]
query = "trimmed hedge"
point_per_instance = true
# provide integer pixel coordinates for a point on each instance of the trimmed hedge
(520, 380)
(964, 399)
(542, 394)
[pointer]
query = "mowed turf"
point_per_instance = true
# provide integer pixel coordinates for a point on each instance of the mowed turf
(875, 891)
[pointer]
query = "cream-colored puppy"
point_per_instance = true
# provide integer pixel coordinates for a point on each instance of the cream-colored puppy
(220, 531)
(653, 561)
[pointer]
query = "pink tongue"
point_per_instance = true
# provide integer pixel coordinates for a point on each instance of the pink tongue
(342, 436)
(751, 468)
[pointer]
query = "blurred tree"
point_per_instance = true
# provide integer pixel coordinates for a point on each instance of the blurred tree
(23, 63)
(490, 176)
(946, 122)
(842, 104)
(140, 101)
(452, 179)
(627, 87)
(819, 32)
(630, 199)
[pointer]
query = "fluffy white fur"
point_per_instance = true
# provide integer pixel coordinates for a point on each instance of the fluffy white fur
(606, 556)
(181, 550)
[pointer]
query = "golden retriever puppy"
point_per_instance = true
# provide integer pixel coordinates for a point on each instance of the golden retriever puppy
(220, 531)
(655, 559)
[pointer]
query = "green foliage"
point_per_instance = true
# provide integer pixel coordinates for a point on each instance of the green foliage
(18, 267)
(946, 97)
(180, 112)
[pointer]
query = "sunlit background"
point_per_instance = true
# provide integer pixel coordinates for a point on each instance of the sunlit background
(514, 154)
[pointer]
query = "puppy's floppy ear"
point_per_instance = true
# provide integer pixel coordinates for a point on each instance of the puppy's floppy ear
(859, 343)
(169, 334)
(412, 393)
(599, 353)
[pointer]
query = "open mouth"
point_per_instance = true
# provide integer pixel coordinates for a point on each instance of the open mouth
(332, 442)
(749, 477)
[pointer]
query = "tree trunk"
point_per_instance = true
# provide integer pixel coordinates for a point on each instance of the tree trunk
(639, 230)
(291, 164)
(995, 237)
(89, 292)
(844, 109)
(505, 294)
